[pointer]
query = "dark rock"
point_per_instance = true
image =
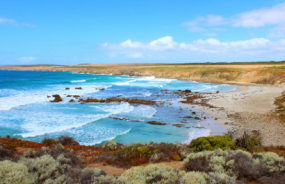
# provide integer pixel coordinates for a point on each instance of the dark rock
(193, 112)
(76, 96)
(155, 123)
(67, 88)
(187, 91)
(48, 96)
(197, 118)
(115, 99)
(217, 91)
(57, 98)
(69, 96)
(71, 100)
(79, 88)
(187, 117)
(125, 119)
(178, 125)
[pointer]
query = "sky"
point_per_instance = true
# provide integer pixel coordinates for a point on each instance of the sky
(141, 31)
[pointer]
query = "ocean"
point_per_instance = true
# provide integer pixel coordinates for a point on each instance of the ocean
(26, 112)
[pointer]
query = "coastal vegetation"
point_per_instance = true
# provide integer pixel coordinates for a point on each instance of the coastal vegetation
(214, 159)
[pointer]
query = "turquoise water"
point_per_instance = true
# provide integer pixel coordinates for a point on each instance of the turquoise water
(25, 110)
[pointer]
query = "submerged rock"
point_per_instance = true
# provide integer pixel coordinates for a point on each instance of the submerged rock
(178, 125)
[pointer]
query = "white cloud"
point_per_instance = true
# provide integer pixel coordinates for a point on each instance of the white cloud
(255, 18)
(11, 22)
(261, 17)
(7, 21)
(27, 59)
(163, 47)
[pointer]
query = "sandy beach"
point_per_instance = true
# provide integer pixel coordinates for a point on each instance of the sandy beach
(246, 108)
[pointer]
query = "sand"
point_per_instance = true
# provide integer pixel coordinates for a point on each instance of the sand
(238, 108)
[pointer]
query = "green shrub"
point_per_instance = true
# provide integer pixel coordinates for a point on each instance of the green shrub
(176, 158)
(16, 173)
(194, 178)
(153, 173)
(212, 143)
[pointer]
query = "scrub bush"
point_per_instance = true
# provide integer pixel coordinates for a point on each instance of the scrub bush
(66, 140)
(158, 157)
(16, 173)
(194, 178)
(237, 164)
(48, 141)
(153, 173)
(212, 143)
(6, 154)
(55, 152)
(249, 142)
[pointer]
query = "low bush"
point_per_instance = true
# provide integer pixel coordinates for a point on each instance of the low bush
(16, 173)
(158, 157)
(194, 178)
(6, 154)
(139, 153)
(249, 142)
(48, 141)
(153, 173)
(237, 164)
(58, 165)
(111, 145)
(212, 143)
(66, 140)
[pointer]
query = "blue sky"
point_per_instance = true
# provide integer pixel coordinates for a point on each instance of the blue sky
(161, 31)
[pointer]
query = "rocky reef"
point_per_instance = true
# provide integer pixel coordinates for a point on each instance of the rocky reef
(116, 99)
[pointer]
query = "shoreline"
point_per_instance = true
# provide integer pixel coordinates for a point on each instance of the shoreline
(254, 99)
(246, 98)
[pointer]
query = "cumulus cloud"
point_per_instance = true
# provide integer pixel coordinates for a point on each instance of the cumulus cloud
(27, 59)
(255, 18)
(163, 47)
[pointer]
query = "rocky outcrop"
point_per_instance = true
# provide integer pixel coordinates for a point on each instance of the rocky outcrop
(57, 98)
(116, 99)
(155, 123)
